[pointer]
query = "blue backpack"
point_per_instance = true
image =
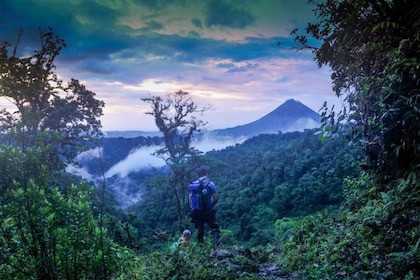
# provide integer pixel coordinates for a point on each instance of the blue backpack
(204, 196)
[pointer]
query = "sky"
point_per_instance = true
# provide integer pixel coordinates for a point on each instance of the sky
(224, 53)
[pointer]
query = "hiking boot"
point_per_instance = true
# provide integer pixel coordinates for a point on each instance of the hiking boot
(216, 235)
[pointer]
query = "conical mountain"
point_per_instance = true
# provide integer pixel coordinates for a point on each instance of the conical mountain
(289, 116)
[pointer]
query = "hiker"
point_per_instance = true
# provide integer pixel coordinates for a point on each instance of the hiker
(182, 243)
(203, 197)
(184, 240)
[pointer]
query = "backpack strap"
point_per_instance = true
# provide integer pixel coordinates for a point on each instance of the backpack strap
(202, 186)
(202, 203)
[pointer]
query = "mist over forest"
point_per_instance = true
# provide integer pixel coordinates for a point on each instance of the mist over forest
(120, 159)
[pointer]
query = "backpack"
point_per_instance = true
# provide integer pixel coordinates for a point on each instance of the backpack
(204, 196)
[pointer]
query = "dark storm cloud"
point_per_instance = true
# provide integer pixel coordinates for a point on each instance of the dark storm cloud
(87, 27)
(100, 15)
(255, 48)
(98, 46)
(64, 18)
(196, 50)
(189, 50)
(90, 31)
(13, 17)
(226, 14)
(91, 46)
(94, 66)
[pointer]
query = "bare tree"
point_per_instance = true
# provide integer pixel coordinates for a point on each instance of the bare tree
(175, 117)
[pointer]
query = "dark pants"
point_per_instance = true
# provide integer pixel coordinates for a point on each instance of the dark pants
(201, 217)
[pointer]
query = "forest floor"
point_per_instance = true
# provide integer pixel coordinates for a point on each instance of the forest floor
(244, 263)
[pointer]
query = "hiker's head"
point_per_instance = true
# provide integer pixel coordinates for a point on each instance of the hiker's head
(201, 172)
(186, 233)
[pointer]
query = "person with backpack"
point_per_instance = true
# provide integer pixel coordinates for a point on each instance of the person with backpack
(203, 197)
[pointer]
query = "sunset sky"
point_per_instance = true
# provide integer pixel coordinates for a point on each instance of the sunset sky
(223, 52)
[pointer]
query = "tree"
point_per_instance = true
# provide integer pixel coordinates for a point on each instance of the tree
(175, 118)
(48, 110)
(47, 232)
(372, 50)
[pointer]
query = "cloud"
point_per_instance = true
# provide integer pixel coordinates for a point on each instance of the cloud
(226, 14)
(79, 171)
(83, 172)
(95, 66)
(197, 23)
(126, 190)
(136, 160)
(245, 68)
(302, 124)
(143, 158)
(151, 26)
(208, 143)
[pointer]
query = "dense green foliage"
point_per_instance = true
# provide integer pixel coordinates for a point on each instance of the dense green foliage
(375, 235)
(197, 263)
(265, 178)
(372, 48)
(66, 113)
(48, 232)
(49, 226)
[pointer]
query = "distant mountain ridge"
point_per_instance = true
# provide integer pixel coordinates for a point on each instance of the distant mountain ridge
(131, 133)
(290, 116)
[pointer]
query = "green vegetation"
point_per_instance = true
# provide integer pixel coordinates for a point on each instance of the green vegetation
(48, 232)
(375, 235)
(48, 228)
(290, 204)
(372, 49)
(66, 114)
(175, 117)
(263, 179)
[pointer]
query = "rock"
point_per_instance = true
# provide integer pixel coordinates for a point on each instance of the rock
(221, 254)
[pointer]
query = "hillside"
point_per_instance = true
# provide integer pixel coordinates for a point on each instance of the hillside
(265, 178)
